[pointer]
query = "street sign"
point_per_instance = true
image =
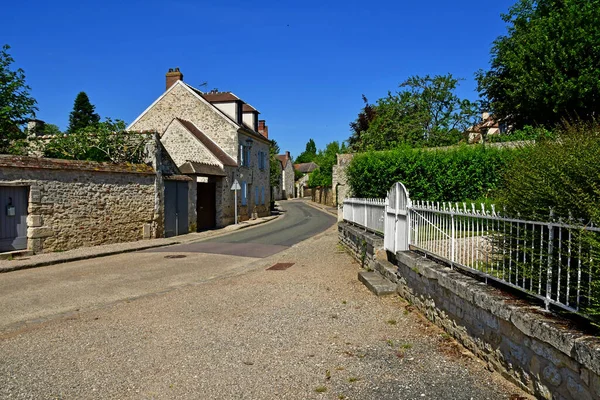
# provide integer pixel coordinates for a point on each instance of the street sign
(236, 185)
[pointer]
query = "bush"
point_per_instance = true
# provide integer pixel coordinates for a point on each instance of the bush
(455, 174)
(562, 174)
(527, 133)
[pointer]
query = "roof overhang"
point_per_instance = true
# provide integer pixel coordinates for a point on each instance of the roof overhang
(201, 169)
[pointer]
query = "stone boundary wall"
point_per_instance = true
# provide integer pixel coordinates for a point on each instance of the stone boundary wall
(362, 244)
(339, 178)
(80, 203)
(546, 355)
(322, 195)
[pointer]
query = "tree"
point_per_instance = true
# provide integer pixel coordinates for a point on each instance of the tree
(308, 154)
(83, 114)
(326, 159)
(16, 104)
(546, 68)
(424, 112)
(362, 123)
(274, 171)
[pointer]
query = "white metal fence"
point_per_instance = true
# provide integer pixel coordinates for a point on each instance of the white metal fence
(556, 261)
(368, 213)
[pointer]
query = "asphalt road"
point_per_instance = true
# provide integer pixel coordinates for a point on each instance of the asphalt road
(300, 221)
(30, 297)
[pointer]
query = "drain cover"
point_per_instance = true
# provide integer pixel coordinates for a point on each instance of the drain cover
(280, 266)
(176, 256)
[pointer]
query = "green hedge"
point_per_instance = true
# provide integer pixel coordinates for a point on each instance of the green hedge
(450, 174)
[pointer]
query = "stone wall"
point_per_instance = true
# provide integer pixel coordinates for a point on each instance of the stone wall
(363, 245)
(288, 181)
(548, 356)
(76, 203)
(340, 179)
(323, 195)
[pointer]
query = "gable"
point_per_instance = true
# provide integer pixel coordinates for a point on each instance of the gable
(183, 146)
(182, 102)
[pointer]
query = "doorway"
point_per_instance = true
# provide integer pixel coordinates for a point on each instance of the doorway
(206, 206)
(13, 217)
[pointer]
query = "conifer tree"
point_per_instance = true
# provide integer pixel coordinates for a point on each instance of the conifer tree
(83, 114)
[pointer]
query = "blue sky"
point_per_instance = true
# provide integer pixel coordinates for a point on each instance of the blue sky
(302, 64)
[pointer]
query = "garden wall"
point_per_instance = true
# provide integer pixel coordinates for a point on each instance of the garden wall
(80, 203)
(544, 354)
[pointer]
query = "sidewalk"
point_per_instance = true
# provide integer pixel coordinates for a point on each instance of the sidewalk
(83, 253)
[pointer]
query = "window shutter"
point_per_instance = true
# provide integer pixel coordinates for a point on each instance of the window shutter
(244, 193)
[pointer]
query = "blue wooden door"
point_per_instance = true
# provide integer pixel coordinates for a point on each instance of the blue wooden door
(176, 208)
(13, 217)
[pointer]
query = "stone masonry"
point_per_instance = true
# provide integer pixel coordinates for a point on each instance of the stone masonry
(76, 203)
(546, 355)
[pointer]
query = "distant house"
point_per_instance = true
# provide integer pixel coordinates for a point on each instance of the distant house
(488, 126)
(216, 139)
(287, 175)
(305, 169)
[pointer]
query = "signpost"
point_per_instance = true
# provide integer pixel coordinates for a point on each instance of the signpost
(235, 187)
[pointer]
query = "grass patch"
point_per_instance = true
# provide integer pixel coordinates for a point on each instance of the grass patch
(353, 379)
(392, 321)
(406, 346)
(320, 389)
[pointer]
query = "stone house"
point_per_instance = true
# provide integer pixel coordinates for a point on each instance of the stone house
(287, 176)
(302, 189)
(216, 139)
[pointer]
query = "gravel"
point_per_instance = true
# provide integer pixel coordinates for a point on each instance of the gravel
(308, 332)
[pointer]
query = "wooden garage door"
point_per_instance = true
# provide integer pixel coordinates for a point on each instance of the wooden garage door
(13, 218)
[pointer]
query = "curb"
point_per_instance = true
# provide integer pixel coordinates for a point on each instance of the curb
(107, 253)
(320, 207)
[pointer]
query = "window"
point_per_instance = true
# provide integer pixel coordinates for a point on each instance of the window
(262, 160)
(256, 198)
(262, 195)
(244, 186)
(244, 155)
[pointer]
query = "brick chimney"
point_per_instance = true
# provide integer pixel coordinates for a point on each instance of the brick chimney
(287, 153)
(263, 129)
(173, 76)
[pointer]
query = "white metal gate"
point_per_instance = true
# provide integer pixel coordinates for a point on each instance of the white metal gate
(397, 219)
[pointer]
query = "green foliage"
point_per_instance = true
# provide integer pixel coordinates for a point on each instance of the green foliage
(105, 142)
(546, 69)
(16, 105)
(456, 174)
(51, 129)
(426, 112)
(273, 161)
(561, 174)
(83, 114)
(527, 133)
(325, 159)
(309, 154)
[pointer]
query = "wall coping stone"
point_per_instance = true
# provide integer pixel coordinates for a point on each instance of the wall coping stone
(533, 321)
(9, 161)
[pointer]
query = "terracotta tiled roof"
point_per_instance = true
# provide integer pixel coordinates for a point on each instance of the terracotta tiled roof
(248, 108)
(208, 143)
(220, 96)
(306, 168)
(192, 167)
(283, 159)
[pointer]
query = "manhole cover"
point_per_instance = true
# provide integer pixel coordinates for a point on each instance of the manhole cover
(280, 266)
(176, 256)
